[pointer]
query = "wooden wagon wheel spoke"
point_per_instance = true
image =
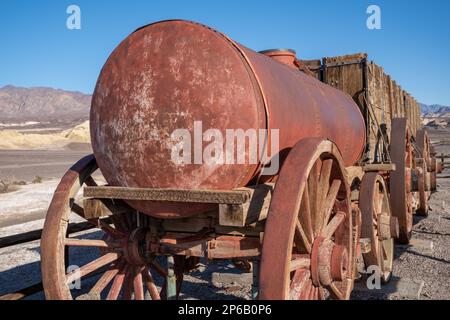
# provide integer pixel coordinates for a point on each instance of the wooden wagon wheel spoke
(110, 230)
(77, 209)
(305, 215)
(104, 280)
(320, 293)
(138, 285)
(300, 263)
(323, 192)
(298, 283)
(334, 224)
(315, 293)
(87, 243)
(152, 289)
(128, 284)
(116, 287)
(307, 290)
(121, 223)
(330, 200)
(91, 182)
(92, 266)
(311, 193)
(300, 238)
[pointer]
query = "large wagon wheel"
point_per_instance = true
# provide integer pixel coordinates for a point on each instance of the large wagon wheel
(121, 265)
(308, 250)
(400, 179)
(377, 224)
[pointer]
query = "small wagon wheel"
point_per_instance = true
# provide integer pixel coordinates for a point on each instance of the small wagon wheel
(433, 174)
(424, 186)
(354, 178)
(400, 179)
(378, 225)
(120, 264)
(308, 249)
(423, 145)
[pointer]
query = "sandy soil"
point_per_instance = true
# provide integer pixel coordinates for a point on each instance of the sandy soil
(43, 140)
(29, 203)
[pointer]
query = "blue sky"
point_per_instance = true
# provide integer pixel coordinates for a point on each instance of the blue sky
(413, 45)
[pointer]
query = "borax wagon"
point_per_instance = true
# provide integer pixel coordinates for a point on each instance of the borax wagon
(355, 165)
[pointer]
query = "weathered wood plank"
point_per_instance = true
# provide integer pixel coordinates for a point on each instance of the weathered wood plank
(387, 167)
(173, 195)
(255, 209)
(94, 208)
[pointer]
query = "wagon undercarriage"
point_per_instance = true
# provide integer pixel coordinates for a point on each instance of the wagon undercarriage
(301, 236)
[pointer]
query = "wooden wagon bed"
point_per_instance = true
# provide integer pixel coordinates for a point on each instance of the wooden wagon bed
(379, 97)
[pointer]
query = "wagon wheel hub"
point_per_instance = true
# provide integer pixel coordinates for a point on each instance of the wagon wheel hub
(328, 262)
(134, 248)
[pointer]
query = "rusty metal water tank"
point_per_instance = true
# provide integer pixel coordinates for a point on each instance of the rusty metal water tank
(170, 74)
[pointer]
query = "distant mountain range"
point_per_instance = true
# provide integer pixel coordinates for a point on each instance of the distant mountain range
(434, 109)
(43, 104)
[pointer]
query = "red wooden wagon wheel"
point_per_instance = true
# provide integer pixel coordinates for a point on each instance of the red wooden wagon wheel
(424, 194)
(400, 179)
(308, 250)
(433, 174)
(378, 225)
(423, 145)
(122, 266)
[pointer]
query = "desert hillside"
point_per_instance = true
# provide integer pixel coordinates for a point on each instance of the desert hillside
(435, 109)
(42, 118)
(21, 105)
(435, 116)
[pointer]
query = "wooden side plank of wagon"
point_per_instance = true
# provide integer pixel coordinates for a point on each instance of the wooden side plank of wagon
(173, 195)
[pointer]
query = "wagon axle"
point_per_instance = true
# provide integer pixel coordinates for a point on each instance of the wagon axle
(135, 249)
(329, 262)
